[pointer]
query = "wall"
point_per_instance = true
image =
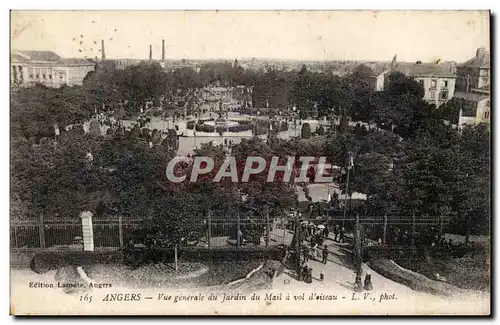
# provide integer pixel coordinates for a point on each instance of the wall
(482, 108)
(77, 74)
(379, 82)
(51, 75)
(484, 78)
(433, 93)
(467, 120)
(477, 78)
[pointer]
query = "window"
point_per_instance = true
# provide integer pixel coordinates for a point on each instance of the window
(486, 115)
(445, 83)
(433, 95)
(37, 76)
(31, 76)
(44, 77)
(433, 83)
(50, 76)
(444, 94)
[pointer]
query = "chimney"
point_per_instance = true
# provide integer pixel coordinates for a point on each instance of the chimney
(163, 50)
(150, 52)
(103, 54)
(480, 52)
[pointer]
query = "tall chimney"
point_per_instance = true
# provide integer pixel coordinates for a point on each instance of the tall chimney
(163, 50)
(481, 52)
(150, 52)
(103, 54)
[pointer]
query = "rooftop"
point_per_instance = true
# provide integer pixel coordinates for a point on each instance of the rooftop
(378, 68)
(426, 69)
(27, 56)
(23, 56)
(473, 97)
(483, 90)
(481, 60)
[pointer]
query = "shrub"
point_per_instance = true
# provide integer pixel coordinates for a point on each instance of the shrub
(306, 131)
(321, 130)
(204, 128)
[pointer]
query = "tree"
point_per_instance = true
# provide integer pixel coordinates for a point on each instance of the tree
(275, 197)
(305, 133)
(105, 87)
(450, 110)
(472, 199)
(399, 108)
(35, 110)
(56, 180)
(357, 83)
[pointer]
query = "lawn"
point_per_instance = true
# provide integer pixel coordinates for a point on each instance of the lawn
(467, 273)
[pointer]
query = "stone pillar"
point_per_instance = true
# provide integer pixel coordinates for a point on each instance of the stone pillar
(88, 231)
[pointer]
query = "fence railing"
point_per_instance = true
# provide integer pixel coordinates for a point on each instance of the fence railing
(211, 231)
(114, 233)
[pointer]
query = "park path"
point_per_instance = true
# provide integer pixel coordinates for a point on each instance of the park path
(339, 280)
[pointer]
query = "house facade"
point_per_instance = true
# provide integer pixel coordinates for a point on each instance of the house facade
(475, 73)
(29, 68)
(474, 108)
(473, 89)
(437, 79)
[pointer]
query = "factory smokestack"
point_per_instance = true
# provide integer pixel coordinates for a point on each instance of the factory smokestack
(150, 52)
(163, 50)
(103, 54)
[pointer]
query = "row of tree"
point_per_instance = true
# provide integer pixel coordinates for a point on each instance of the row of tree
(414, 162)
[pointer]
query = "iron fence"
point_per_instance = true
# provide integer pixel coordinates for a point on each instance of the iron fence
(208, 231)
(114, 233)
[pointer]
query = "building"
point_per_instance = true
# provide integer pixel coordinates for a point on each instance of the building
(473, 89)
(29, 68)
(474, 107)
(378, 78)
(475, 73)
(118, 64)
(437, 79)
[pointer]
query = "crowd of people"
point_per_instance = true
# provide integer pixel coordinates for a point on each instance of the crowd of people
(316, 249)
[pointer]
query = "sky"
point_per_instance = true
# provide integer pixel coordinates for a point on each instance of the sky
(299, 35)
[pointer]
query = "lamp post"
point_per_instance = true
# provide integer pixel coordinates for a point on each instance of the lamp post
(350, 165)
(357, 229)
(239, 238)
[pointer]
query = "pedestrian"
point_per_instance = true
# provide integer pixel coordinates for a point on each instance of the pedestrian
(319, 239)
(325, 254)
(312, 241)
(305, 252)
(315, 249)
(304, 271)
(342, 235)
(308, 277)
(336, 233)
(326, 231)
